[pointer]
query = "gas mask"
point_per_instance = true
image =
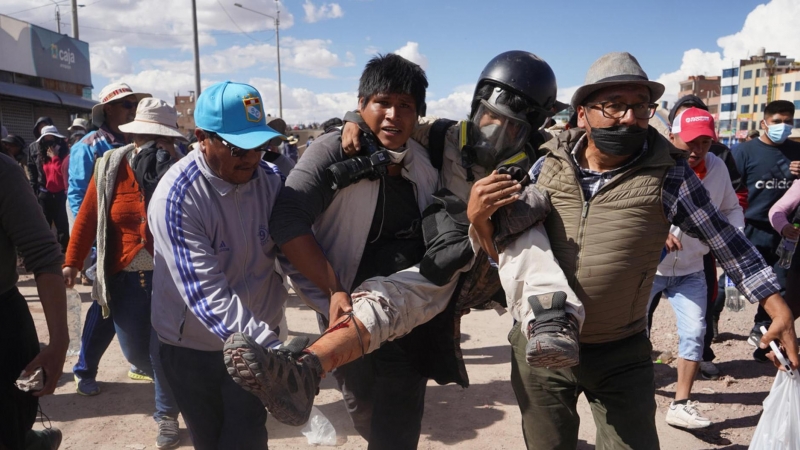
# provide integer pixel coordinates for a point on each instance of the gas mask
(500, 132)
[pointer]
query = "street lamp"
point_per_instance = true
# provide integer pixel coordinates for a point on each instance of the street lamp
(277, 46)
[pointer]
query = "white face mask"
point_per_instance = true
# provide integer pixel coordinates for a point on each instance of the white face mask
(396, 157)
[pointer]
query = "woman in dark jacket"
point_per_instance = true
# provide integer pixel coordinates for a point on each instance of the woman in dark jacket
(48, 182)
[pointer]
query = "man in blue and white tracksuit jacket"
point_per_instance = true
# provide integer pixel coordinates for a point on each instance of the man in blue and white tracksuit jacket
(215, 265)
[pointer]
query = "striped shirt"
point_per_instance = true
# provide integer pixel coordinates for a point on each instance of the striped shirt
(688, 206)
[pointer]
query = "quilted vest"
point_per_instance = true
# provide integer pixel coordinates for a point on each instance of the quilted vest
(608, 246)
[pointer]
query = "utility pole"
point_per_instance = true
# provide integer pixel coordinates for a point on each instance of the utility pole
(75, 19)
(277, 21)
(58, 19)
(278, 45)
(196, 49)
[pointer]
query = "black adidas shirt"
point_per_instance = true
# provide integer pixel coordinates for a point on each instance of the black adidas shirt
(765, 171)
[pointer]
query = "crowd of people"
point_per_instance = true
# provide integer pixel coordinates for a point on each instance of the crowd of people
(577, 233)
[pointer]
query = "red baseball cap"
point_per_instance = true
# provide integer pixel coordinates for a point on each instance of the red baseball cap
(693, 123)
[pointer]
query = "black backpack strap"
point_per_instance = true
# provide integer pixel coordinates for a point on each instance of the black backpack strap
(436, 141)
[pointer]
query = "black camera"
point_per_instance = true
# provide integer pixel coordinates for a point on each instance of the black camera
(374, 165)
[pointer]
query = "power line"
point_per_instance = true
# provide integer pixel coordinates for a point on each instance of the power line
(117, 30)
(237, 25)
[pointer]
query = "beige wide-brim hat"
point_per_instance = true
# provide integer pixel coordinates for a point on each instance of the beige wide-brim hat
(79, 123)
(154, 116)
(113, 91)
(615, 69)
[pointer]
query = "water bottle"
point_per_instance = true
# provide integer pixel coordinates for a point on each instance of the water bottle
(786, 249)
(733, 301)
(74, 321)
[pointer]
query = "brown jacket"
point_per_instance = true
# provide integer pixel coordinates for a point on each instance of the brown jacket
(608, 246)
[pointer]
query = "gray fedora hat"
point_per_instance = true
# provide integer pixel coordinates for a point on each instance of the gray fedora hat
(614, 69)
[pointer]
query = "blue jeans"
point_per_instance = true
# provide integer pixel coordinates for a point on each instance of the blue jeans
(219, 413)
(687, 294)
(129, 301)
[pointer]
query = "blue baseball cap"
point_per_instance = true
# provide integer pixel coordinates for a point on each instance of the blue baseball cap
(235, 112)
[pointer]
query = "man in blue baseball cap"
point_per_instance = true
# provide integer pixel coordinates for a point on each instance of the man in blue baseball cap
(215, 265)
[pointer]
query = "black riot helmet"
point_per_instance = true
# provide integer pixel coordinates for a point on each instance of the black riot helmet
(523, 74)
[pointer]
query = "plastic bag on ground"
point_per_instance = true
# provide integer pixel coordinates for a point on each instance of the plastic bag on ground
(319, 430)
(779, 426)
(74, 321)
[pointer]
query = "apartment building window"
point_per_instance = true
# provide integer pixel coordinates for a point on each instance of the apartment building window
(725, 125)
(745, 109)
(746, 92)
(748, 74)
(763, 107)
(728, 107)
(753, 125)
(797, 85)
(764, 90)
(712, 109)
(758, 73)
(797, 123)
(787, 87)
(727, 90)
(796, 105)
(729, 73)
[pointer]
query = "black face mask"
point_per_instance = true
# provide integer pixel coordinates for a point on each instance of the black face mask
(619, 140)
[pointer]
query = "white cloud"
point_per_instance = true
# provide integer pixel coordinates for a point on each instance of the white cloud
(771, 26)
(302, 105)
(410, 51)
(565, 94)
(695, 62)
(455, 106)
(371, 50)
(110, 61)
(156, 23)
(325, 11)
(160, 83)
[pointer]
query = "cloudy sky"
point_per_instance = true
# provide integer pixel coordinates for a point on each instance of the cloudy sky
(324, 45)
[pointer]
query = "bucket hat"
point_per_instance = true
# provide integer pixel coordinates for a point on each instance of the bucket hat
(615, 69)
(154, 116)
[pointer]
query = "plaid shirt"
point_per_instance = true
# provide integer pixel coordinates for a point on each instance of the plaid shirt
(687, 206)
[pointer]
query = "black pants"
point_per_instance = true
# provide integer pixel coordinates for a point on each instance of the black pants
(384, 393)
(766, 240)
(55, 211)
(218, 412)
(19, 344)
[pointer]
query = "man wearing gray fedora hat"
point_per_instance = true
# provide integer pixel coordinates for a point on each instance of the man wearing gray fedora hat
(616, 185)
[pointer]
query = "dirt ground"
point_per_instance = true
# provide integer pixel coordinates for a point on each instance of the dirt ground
(483, 416)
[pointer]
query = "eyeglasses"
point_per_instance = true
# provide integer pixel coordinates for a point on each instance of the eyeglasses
(236, 152)
(49, 142)
(617, 110)
(127, 104)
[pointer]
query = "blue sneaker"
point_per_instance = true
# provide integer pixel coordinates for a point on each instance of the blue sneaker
(86, 386)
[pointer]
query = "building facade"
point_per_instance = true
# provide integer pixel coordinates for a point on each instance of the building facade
(42, 73)
(762, 79)
(184, 105)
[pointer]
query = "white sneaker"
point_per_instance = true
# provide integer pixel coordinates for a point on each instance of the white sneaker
(686, 416)
(708, 370)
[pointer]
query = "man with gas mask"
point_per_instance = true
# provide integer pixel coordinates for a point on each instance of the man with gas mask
(615, 186)
(515, 94)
